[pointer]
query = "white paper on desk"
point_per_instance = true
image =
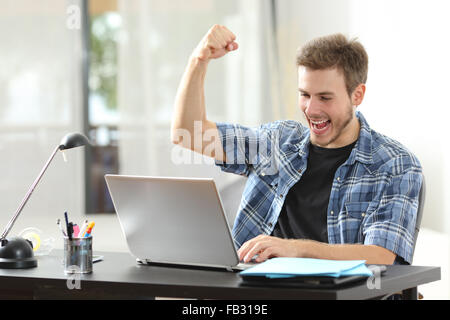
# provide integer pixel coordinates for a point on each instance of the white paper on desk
(294, 267)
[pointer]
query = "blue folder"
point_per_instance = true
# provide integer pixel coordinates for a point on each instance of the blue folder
(295, 267)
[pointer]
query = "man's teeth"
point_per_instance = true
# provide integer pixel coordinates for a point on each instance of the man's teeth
(319, 122)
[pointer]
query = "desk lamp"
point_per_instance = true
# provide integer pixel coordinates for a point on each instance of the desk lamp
(17, 253)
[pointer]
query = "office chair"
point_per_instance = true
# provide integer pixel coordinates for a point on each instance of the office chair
(421, 205)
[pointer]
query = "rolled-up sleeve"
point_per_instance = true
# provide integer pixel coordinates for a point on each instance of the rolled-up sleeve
(243, 146)
(392, 224)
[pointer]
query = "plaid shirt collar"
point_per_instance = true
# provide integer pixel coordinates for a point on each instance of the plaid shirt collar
(362, 151)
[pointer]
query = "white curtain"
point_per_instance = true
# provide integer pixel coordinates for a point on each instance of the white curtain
(40, 101)
(157, 39)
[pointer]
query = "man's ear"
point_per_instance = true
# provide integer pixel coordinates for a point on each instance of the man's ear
(358, 94)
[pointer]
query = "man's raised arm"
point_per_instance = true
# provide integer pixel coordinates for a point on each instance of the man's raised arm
(190, 123)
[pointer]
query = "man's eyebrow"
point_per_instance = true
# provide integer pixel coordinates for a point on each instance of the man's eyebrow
(323, 93)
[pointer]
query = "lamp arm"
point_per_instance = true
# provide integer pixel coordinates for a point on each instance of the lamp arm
(27, 196)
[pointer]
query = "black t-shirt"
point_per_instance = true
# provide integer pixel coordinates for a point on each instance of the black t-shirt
(304, 212)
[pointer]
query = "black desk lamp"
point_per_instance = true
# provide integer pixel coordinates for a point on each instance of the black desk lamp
(17, 253)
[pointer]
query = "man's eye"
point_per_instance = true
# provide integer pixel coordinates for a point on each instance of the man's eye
(304, 95)
(325, 98)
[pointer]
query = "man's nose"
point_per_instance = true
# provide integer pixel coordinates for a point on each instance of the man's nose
(312, 107)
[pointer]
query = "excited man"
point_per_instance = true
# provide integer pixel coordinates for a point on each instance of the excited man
(339, 190)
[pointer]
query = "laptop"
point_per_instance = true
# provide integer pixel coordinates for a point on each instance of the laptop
(174, 221)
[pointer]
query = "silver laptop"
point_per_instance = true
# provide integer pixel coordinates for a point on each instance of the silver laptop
(174, 221)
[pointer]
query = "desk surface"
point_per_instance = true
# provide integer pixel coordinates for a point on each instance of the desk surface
(119, 276)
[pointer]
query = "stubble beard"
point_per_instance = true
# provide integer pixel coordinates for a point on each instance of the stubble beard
(338, 129)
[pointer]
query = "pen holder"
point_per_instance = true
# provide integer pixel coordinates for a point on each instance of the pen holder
(78, 255)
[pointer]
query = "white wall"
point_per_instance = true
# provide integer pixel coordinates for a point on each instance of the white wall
(408, 47)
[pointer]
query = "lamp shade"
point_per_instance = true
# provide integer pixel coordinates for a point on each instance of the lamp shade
(73, 140)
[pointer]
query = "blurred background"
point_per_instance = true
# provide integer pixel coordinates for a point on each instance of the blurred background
(111, 68)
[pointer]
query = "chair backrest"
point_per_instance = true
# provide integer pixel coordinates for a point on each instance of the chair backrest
(231, 196)
(421, 205)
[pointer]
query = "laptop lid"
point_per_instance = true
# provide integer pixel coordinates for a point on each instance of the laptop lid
(173, 220)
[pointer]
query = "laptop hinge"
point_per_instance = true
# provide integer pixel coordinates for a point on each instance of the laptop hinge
(142, 261)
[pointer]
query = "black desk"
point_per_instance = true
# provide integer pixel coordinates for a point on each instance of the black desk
(118, 276)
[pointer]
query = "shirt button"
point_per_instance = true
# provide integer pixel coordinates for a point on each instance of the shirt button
(300, 170)
(331, 212)
(270, 225)
(363, 214)
(338, 179)
(281, 195)
(263, 174)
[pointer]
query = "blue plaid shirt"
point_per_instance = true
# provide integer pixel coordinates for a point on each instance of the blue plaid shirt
(374, 196)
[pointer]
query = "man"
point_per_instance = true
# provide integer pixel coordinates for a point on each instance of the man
(339, 189)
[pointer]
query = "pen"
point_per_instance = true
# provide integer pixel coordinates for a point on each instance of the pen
(83, 229)
(76, 230)
(89, 229)
(58, 222)
(70, 231)
(67, 223)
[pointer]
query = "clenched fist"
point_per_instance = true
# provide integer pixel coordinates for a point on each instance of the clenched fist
(215, 44)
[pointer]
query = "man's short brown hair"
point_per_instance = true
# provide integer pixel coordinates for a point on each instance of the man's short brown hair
(349, 56)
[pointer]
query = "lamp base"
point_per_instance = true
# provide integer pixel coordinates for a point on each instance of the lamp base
(17, 253)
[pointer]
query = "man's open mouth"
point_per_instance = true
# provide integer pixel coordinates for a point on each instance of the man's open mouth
(320, 126)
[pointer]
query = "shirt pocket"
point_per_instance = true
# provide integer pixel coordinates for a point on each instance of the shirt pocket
(265, 180)
(354, 214)
(356, 210)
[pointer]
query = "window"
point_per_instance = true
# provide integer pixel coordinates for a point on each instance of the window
(103, 24)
